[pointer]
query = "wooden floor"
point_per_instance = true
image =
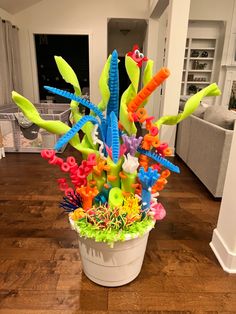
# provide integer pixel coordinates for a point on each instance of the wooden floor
(40, 271)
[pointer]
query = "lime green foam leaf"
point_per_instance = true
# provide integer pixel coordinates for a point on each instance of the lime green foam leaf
(52, 126)
(148, 72)
(133, 72)
(124, 118)
(68, 74)
(87, 128)
(86, 149)
(191, 105)
(86, 140)
(76, 115)
(70, 77)
(103, 85)
(147, 76)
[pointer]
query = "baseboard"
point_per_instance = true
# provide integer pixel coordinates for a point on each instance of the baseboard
(173, 151)
(226, 258)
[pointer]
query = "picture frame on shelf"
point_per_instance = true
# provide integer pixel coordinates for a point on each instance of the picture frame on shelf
(190, 77)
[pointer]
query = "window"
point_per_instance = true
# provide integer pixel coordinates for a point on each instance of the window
(74, 49)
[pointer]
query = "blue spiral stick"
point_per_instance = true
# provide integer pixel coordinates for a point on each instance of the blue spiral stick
(75, 129)
(115, 137)
(164, 162)
(113, 104)
(78, 99)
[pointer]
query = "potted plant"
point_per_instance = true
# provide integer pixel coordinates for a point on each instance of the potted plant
(112, 198)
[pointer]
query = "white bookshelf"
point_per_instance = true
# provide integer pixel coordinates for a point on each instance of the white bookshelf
(199, 62)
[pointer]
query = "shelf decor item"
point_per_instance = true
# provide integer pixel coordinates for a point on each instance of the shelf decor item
(204, 54)
(190, 77)
(192, 89)
(200, 57)
(111, 197)
(194, 53)
(201, 66)
(195, 65)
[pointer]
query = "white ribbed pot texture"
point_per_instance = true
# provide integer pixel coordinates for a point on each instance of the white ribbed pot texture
(112, 266)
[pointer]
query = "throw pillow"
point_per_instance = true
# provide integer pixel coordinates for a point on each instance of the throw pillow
(221, 116)
(199, 112)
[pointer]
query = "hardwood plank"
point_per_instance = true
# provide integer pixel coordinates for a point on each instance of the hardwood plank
(40, 267)
(54, 300)
(7, 311)
(28, 281)
(28, 266)
(178, 301)
(25, 254)
(40, 300)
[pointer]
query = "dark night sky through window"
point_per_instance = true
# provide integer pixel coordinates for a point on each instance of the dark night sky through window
(73, 48)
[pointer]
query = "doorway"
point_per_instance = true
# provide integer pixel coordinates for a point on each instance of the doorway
(123, 34)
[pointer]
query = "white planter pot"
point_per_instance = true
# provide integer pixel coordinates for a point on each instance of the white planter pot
(116, 266)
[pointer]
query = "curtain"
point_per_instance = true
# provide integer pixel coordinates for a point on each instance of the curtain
(10, 70)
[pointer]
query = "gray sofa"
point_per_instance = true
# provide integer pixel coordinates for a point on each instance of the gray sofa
(205, 146)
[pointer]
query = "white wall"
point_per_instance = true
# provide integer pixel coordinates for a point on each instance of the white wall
(161, 46)
(216, 10)
(72, 17)
(174, 60)
(151, 51)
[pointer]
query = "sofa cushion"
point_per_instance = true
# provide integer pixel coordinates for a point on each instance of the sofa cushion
(199, 112)
(181, 105)
(220, 116)
(204, 104)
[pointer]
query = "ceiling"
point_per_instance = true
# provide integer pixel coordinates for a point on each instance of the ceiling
(15, 6)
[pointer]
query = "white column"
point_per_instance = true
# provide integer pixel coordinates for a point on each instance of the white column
(223, 241)
(175, 49)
